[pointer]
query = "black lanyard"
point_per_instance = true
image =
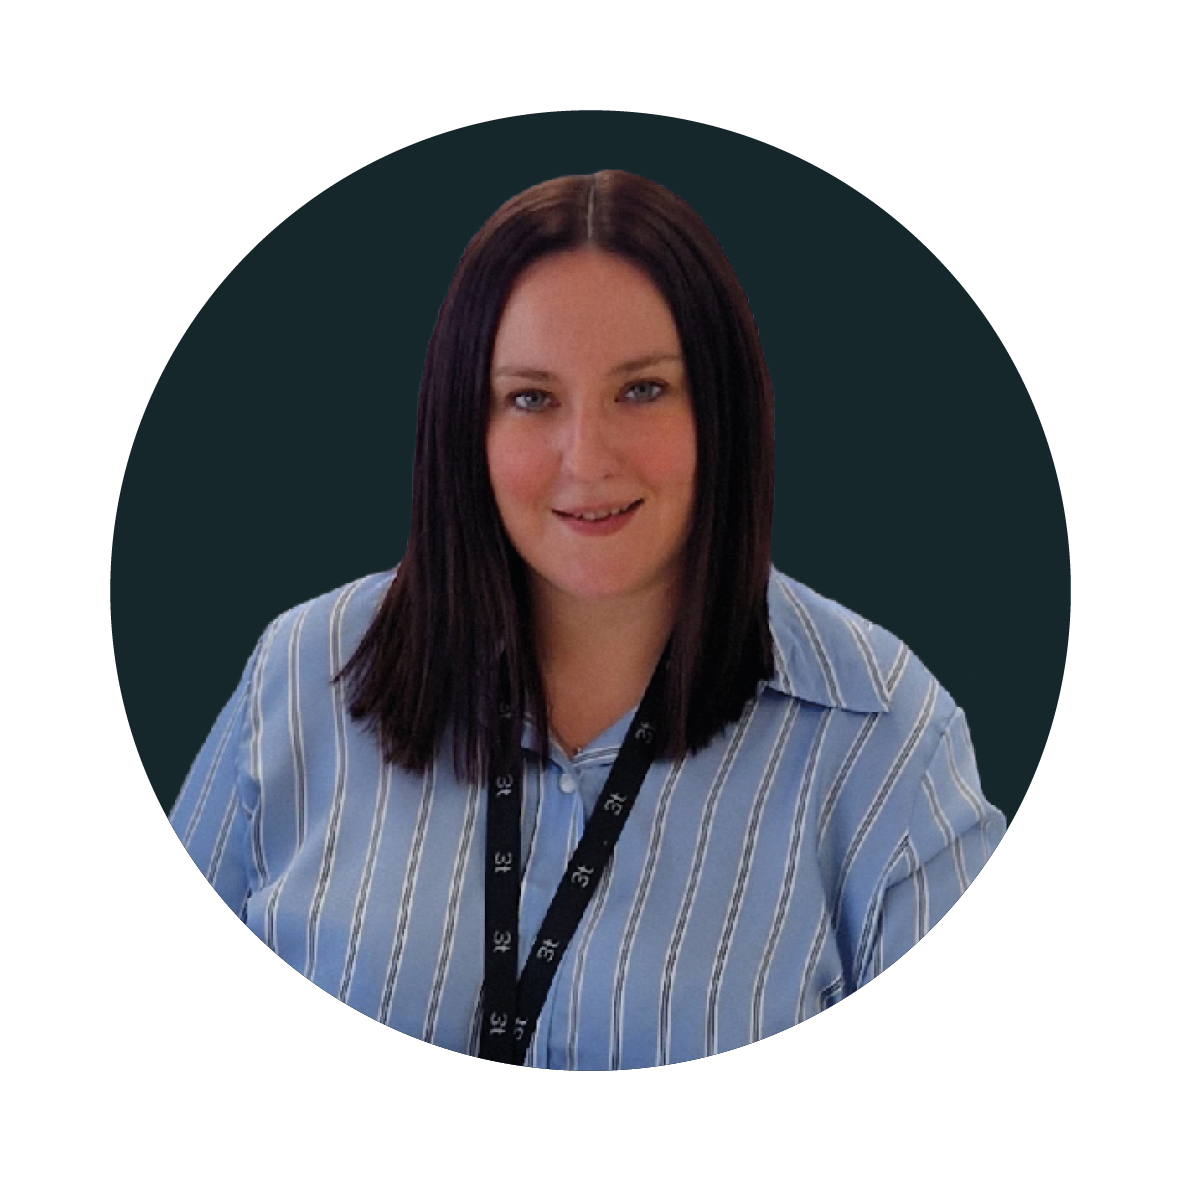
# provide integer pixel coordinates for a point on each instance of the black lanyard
(511, 1008)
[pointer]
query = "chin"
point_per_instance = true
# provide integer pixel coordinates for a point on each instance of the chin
(602, 586)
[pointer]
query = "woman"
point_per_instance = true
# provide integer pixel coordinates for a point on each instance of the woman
(585, 783)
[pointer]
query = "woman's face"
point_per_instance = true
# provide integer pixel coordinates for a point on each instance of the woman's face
(592, 449)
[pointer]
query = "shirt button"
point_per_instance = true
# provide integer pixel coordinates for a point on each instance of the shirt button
(566, 783)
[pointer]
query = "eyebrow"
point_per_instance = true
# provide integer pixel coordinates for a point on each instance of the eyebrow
(616, 371)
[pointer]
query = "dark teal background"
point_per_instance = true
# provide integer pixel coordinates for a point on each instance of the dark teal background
(913, 480)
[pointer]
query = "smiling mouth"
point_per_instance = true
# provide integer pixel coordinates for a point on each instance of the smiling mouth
(600, 514)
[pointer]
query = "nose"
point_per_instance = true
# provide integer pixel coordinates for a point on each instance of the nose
(590, 446)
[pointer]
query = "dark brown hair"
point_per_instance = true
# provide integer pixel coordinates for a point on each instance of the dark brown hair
(451, 646)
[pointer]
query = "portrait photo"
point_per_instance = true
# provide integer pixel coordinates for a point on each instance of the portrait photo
(622, 586)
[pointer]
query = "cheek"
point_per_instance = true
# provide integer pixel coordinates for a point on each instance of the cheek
(517, 471)
(672, 459)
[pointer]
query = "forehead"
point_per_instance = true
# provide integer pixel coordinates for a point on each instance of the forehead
(583, 307)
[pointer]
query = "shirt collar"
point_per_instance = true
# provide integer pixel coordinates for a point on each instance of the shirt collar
(822, 650)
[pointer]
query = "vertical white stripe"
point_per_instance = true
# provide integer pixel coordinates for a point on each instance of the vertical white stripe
(823, 660)
(214, 766)
(879, 797)
(406, 898)
(788, 880)
(668, 976)
(361, 903)
(872, 928)
(340, 784)
(447, 942)
(945, 830)
(635, 913)
(257, 820)
(871, 664)
(295, 728)
(584, 940)
(738, 890)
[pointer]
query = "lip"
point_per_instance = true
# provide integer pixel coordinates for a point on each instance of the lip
(603, 507)
(601, 528)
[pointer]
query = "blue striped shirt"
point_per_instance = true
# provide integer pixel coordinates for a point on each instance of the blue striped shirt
(756, 883)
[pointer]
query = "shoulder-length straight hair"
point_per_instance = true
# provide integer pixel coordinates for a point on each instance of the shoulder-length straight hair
(452, 644)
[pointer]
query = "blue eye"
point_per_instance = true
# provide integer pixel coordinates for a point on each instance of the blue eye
(530, 400)
(644, 391)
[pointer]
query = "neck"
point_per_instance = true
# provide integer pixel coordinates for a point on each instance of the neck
(597, 656)
(608, 632)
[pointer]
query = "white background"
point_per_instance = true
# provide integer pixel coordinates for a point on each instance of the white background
(148, 147)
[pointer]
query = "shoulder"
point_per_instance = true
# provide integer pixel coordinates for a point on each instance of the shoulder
(325, 629)
(830, 656)
(895, 772)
